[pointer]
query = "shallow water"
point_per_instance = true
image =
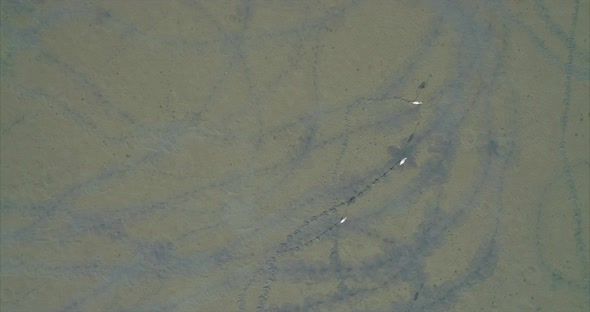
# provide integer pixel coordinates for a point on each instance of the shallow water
(200, 157)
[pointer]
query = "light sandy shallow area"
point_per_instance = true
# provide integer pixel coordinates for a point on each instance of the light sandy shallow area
(201, 155)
